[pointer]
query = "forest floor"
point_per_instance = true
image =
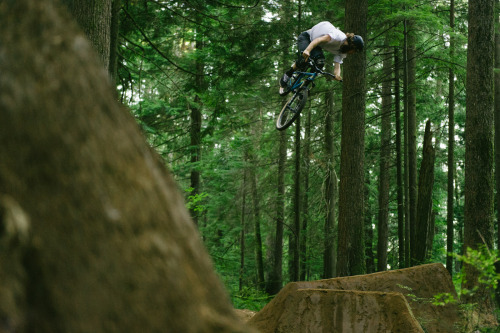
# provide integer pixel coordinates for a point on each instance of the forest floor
(392, 301)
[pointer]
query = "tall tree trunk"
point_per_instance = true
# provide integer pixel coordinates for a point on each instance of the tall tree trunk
(295, 235)
(258, 235)
(497, 131)
(351, 252)
(405, 150)
(94, 17)
(195, 136)
(329, 188)
(369, 234)
(459, 202)
(276, 277)
(385, 158)
(399, 166)
(243, 224)
(424, 202)
(451, 149)
(460, 226)
(479, 137)
(460, 236)
(114, 33)
(430, 235)
(294, 239)
(304, 267)
(196, 120)
(412, 137)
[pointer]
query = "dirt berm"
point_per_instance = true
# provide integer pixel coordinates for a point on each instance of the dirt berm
(393, 301)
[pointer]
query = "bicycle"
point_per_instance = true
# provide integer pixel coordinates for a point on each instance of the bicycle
(299, 85)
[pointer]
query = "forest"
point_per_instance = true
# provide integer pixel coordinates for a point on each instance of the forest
(391, 168)
(201, 79)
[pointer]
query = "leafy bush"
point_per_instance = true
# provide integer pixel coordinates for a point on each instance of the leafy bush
(483, 260)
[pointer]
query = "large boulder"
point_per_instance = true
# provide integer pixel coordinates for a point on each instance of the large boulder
(359, 301)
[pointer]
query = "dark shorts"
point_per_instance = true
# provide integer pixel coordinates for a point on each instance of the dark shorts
(316, 54)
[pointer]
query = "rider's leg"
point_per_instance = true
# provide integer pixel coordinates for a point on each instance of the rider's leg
(284, 81)
(302, 42)
(288, 74)
(285, 78)
(318, 56)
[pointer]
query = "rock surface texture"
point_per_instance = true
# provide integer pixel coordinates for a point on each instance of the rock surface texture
(393, 301)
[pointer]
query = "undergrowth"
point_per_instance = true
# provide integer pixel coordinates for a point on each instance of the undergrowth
(477, 316)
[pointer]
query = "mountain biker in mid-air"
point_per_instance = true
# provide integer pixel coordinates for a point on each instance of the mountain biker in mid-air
(311, 44)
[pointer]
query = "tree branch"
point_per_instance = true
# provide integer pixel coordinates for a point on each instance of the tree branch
(154, 46)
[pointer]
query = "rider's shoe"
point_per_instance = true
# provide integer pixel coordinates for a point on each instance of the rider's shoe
(284, 85)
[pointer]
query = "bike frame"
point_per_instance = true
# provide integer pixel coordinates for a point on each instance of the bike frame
(307, 76)
(303, 76)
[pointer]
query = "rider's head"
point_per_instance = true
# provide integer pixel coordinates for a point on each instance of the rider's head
(358, 43)
(354, 43)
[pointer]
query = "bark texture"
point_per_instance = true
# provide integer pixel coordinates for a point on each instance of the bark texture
(385, 160)
(399, 167)
(351, 252)
(330, 182)
(95, 17)
(411, 143)
(294, 246)
(424, 202)
(304, 267)
(450, 235)
(478, 223)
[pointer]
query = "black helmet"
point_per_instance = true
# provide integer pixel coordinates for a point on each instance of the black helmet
(357, 41)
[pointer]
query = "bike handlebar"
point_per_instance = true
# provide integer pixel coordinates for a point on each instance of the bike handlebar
(312, 63)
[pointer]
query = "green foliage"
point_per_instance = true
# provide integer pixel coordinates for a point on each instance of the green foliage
(483, 260)
(195, 202)
(249, 298)
(224, 58)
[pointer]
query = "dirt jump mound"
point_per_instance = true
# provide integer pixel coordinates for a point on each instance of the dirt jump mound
(393, 301)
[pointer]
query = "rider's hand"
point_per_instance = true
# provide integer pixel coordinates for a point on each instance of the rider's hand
(338, 77)
(305, 55)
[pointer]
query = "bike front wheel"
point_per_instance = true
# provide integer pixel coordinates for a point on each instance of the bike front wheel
(291, 110)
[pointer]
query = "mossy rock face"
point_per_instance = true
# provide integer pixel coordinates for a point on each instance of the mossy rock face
(410, 291)
(94, 234)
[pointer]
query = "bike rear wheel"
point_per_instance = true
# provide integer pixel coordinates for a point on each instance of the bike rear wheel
(291, 110)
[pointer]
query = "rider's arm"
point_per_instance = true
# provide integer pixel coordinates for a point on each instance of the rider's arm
(336, 71)
(314, 43)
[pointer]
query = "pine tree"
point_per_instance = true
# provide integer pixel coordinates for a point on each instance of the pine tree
(94, 17)
(479, 137)
(351, 254)
(385, 155)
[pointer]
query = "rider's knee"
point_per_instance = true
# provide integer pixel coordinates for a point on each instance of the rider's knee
(301, 63)
(320, 62)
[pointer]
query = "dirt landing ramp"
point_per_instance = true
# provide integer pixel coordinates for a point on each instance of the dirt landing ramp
(417, 284)
(244, 314)
(323, 310)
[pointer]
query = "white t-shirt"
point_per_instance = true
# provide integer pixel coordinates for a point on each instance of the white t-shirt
(337, 39)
